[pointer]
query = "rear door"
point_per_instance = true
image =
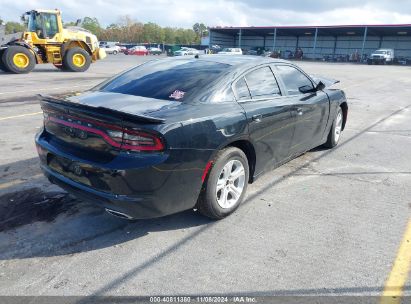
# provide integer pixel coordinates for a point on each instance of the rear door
(311, 110)
(268, 115)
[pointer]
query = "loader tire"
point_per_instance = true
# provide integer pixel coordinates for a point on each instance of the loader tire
(76, 60)
(18, 59)
(2, 66)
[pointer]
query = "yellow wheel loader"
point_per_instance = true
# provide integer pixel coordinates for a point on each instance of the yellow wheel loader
(46, 41)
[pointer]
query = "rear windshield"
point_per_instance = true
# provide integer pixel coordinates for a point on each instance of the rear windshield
(167, 79)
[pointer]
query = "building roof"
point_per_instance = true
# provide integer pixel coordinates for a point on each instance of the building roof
(323, 30)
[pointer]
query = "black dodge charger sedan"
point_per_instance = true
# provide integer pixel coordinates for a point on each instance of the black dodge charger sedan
(181, 133)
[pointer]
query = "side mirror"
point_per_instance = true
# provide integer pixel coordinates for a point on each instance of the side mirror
(307, 89)
(320, 86)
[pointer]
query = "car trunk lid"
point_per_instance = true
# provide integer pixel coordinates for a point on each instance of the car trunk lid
(98, 126)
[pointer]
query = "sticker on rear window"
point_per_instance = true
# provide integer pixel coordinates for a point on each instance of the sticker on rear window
(177, 94)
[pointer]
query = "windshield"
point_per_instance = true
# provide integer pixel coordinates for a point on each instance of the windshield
(227, 50)
(167, 79)
(43, 24)
(380, 52)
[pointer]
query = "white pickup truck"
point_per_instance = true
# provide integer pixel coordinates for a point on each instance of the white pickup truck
(381, 56)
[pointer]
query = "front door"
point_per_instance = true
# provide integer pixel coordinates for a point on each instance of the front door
(310, 109)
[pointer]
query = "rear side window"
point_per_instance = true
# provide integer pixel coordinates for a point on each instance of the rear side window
(167, 79)
(261, 82)
(241, 89)
(293, 79)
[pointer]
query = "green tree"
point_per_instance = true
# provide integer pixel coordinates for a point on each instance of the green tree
(71, 23)
(200, 29)
(91, 24)
(153, 33)
(136, 32)
(14, 27)
(185, 36)
(128, 30)
(1, 21)
(169, 35)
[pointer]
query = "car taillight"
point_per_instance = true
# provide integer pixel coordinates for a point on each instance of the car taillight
(140, 141)
(116, 136)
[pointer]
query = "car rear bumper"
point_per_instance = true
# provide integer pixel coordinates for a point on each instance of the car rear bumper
(136, 186)
(139, 207)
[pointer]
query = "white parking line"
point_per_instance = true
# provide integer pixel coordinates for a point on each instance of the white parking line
(21, 115)
(48, 89)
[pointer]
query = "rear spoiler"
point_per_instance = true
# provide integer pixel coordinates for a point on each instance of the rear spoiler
(328, 82)
(90, 110)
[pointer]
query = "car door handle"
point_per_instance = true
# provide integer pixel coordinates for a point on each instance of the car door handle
(299, 111)
(257, 118)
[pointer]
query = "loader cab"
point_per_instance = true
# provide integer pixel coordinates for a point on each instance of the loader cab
(45, 24)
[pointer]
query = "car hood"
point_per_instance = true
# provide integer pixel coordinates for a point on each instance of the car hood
(129, 104)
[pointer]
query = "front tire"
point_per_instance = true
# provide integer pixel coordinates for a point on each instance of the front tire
(76, 60)
(18, 59)
(336, 130)
(226, 184)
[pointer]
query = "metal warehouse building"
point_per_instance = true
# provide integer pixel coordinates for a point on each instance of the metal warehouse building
(318, 42)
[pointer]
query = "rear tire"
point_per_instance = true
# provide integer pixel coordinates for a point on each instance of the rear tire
(18, 59)
(76, 60)
(226, 184)
(336, 130)
(114, 52)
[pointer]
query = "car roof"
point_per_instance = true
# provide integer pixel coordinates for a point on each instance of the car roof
(237, 61)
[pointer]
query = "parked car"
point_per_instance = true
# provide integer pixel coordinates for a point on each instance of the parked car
(231, 51)
(155, 51)
(381, 56)
(122, 48)
(215, 48)
(256, 51)
(112, 49)
(103, 44)
(186, 51)
(137, 50)
(182, 133)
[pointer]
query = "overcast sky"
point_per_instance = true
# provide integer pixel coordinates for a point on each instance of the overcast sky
(179, 13)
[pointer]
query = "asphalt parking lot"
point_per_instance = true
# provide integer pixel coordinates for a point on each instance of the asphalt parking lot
(329, 222)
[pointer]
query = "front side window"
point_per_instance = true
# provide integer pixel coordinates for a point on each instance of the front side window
(261, 82)
(294, 81)
(50, 25)
(43, 24)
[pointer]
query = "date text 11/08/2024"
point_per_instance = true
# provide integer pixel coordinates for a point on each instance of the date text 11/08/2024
(202, 299)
